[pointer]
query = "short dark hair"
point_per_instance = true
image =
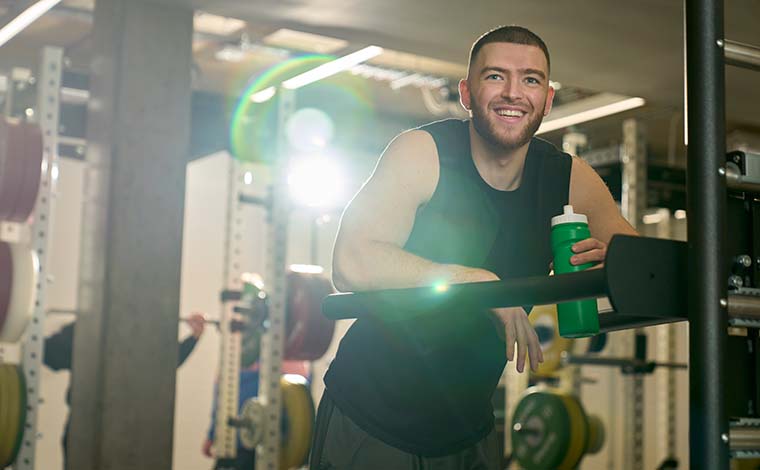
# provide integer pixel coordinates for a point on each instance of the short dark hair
(512, 34)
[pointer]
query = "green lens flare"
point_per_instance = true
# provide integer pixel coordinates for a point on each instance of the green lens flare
(344, 97)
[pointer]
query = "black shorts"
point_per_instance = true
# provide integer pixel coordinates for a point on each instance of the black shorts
(339, 444)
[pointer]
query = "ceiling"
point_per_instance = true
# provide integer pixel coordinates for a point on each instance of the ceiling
(631, 48)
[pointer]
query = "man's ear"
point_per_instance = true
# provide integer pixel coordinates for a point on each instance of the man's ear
(549, 101)
(464, 94)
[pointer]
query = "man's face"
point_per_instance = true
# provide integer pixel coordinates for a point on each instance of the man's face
(508, 93)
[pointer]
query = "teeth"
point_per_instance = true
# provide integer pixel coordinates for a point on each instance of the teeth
(509, 112)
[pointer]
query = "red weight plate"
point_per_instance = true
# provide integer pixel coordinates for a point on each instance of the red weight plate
(30, 186)
(15, 165)
(6, 280)
(308, 332)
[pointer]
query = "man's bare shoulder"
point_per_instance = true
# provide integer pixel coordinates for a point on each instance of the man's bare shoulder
(416, 145)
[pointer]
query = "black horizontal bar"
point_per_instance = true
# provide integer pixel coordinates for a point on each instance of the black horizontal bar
(477, 295)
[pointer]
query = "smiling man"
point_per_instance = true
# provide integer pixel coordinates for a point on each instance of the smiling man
(453, 201)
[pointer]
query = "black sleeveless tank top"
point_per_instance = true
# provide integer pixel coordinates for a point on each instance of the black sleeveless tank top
(424, 385)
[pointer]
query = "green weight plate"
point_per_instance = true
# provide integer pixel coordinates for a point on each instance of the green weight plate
(12, 412)
(540, 431)
(21, 414)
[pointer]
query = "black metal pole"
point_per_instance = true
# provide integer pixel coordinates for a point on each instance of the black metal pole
(706, 192)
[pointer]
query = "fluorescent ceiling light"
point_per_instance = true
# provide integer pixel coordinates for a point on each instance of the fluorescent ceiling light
(588, 109)
(26, 18)
(307, 268)
(304, 41)
(404, 81)
(264, 95)
(333, 67)
(204, 22)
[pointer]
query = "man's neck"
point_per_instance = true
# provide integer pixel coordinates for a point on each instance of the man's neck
(502, 169)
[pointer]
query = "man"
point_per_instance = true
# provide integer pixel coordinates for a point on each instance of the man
(453, 201)
(58, 353)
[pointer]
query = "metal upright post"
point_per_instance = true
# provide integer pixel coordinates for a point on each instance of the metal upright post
(272, 345)
(48, 112)
(225, 443)
(708, 425)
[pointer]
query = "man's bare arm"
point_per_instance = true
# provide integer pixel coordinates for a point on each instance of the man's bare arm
(590, 196)
(368, 252)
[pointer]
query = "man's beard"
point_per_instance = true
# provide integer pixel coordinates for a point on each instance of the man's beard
(487, 129)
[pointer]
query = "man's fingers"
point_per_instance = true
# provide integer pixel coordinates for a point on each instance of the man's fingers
(534, 352)
(521, 349)
(586, 245)
(509, 332)
(591, 256)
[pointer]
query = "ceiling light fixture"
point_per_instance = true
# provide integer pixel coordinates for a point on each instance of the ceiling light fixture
(27, 17)
(588, 109)
(333, 67)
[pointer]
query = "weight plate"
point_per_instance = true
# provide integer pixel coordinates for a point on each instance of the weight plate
(596, 434)
(308, 332)
(12, 171)
(253, 413)
(298, 409)
(21, 422)
(544, 320)
(6, 202)
(32, 172)
(6, 280)
(12, 414)
(5, 422)
(540, 430)
(23, 293)
(578, 435)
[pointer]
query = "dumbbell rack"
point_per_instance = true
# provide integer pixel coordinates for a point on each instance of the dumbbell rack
(48, 95)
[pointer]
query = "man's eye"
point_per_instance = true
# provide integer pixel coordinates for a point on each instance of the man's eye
(533, 80)
(493, 76)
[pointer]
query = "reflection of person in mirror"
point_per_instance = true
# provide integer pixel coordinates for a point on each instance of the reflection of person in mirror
(58, 353)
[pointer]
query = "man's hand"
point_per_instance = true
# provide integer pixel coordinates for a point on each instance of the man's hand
(589, 250)
(208, 448)
(197, 323)
(517, 329)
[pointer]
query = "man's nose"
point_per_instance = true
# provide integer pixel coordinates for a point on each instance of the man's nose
(511, 89)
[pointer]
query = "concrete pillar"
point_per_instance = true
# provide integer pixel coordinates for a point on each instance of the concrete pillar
(125, 348)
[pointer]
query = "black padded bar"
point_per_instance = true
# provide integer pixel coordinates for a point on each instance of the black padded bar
(644, 278)
(476, 295)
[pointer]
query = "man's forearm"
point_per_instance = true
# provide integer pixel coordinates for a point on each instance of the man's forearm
(379, 265)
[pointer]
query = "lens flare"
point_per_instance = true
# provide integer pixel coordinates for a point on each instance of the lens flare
(344, 99)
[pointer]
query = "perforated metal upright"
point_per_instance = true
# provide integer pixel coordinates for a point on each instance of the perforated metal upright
(272, 345)
(225, 444)
(48, 112)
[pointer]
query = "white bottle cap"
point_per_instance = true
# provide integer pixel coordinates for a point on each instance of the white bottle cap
(569, 217)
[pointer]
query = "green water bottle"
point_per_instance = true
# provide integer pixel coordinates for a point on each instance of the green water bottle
(580, 318)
